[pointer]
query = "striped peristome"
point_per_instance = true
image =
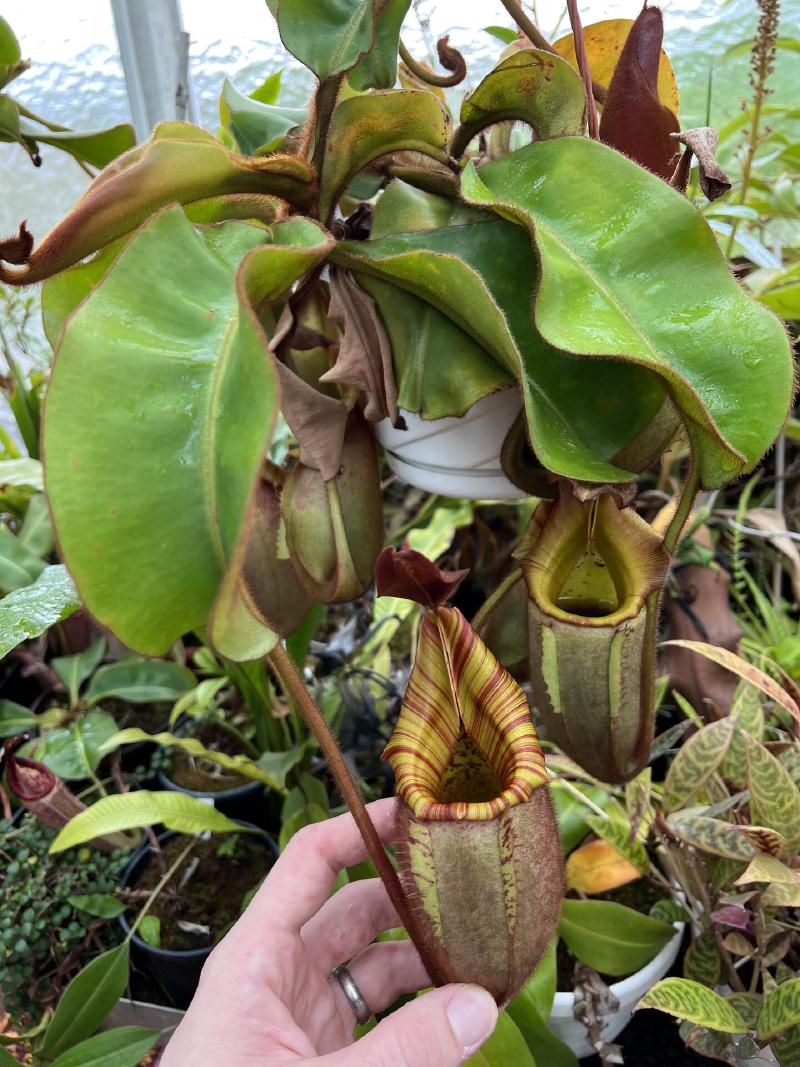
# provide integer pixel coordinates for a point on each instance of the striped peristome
(458, 688)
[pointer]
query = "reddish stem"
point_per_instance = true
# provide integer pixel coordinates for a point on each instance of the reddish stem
(583, 67)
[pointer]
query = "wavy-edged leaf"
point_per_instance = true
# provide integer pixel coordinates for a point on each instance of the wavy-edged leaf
(696, 1003)
(367, 126)
(131, 811)
(87, 1000)
(179, 163)
(712, 836)
(605, 41)
(780, 1010)
(257, 127)
(28, 612)
(774, 798)
(610, 937)
(745, 670)
(696, 761)
(480, 272)
(689, 321)
(332, 36)
(148, 541)
(124, 1046)
(241, 764)
(140, 682)
(530, 86)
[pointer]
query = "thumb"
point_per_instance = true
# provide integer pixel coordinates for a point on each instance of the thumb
(440, 1029)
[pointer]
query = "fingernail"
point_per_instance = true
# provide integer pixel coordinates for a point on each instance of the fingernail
(472, 1014)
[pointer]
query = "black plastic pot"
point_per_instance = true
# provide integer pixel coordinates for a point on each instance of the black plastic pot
(177, 972)
(250, 802)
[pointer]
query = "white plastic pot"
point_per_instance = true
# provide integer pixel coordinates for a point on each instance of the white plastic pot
(628, 992)
(457, 457)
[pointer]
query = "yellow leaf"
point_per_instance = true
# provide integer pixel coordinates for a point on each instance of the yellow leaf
(604, 42)
(597, 868)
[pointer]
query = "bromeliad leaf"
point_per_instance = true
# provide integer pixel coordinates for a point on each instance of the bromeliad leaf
(530, 86)
(130, 811)
(692, 326)
(188, 468)
(366, 127)
(690, 1000)
(180, 163)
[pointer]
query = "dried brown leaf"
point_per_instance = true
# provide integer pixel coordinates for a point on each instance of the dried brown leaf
(701, 142)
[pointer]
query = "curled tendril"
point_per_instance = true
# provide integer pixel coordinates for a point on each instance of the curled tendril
(450, 58)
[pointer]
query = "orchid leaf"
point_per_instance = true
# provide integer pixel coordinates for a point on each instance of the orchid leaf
(697, 1003)
(712, 836)
(690, 324)
(179, 163)
(86, 1001)
(367, 126)
(96, 147)
(124, 1046)
(610, 937)
(780, 1010)
(598, 867)
(481, 273)
(257, 127)
(148, 541)
(332, 36)
(604, 44)
(530, 86)
(697, 760)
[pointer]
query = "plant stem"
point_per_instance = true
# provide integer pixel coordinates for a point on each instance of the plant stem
(325, 104)
(433, 958)
(138, 922)
(683, 510)
(52, 126)
(583, 67)
(491, 602)
(537, 38)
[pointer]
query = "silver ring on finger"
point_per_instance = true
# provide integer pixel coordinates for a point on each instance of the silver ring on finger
(352, 993)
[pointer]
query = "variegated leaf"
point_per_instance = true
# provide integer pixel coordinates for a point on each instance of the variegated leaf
(745, 670)
(695, 762)
(711, 835)
(750, 720)
(748, 1005)
(774, 798)
(618, 834)
(696, 1003)
(765, 840)
(464, 718)
(639, 804)
(701, 962)
(780, 1011)
(786, 1047)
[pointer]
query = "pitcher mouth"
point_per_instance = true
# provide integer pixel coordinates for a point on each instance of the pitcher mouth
(591, 564)
(464, 747)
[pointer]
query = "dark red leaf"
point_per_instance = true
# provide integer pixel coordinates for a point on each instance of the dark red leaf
(634, 119)
(410, 575)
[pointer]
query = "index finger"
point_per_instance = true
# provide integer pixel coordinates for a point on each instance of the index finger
(302, 879)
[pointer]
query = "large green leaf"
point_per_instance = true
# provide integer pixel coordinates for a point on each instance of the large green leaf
(189, 401)
(331, 36)
(610, 937)
(28, 612)
(631, 271)
(257, 127)
(179, 163)
(530, 1010)
(73, 752)
(506, 1046)
(130, 811)
(367, 126)
(62, 293)
(123, 1047)
(697, 1003)
(140, 682)
(531, 86)
(774, 798)
(97, 147)
(481, 272)
(87, 1000)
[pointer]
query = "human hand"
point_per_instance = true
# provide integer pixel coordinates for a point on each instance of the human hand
(266, 996)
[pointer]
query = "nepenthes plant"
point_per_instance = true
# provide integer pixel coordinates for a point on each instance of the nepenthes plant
(378, 257)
